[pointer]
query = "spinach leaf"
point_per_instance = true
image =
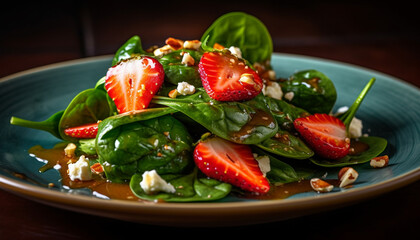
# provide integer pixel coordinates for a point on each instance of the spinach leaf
(286, 145)
(312, 91)
(285, 113)
(348, 116)
(89, 106)
(176, 71)
(286, 142)
(49, 125)
(373, 145)
(246, 122)
(158, 141)
(189, 188)
(128, 49)
(280, 172)
(243, 31)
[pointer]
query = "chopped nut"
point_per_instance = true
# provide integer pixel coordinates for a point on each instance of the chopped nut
(218, 46)
(321, 185)
(347, 176)
(70, 149)
(97, 168)
(379, 162)
(192, 44)
(187, 59)
(163, 50)
(271, 74)
(248, 78)
(173, 93)
(175, 44)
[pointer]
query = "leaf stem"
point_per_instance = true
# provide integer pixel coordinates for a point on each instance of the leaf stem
(351, 112)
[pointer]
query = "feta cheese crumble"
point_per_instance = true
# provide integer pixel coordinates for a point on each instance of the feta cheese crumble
(185, 88)
(80, 170)
(236, 51)
(263, 163)
(153, 183)
(273, 90)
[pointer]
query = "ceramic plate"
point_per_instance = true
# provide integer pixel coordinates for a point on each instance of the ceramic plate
(391, 110)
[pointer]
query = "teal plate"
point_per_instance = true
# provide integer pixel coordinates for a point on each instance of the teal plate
(391, 110)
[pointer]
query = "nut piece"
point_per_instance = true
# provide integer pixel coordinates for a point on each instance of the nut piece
(163, 50)
(379, 162)
(187, 59)
(192, 44)
(321, 185)
(347, 176)
(248, 78)
(173, 93)
(175, 44)
(70, 149)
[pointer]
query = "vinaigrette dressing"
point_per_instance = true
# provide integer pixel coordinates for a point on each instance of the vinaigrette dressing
(55, 158)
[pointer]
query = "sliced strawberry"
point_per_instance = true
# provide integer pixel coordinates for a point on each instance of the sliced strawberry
(230, 162)
(85, 131)
(227, 78)
(325, 134)
(132, 83)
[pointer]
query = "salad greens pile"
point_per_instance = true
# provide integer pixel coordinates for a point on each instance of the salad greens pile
(162, 136)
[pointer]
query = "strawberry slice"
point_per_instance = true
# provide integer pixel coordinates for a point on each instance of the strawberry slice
(230, 162)
(133, 82)
(84, 131)
(226, 77)
(325, 134)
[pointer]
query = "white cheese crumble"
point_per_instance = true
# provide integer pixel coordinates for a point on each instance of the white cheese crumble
(356, 125)
(80, 170)
(235, 51)
(355, 128)
(273, 90)
(185, 88)
(289, 96)
(153, 183)
(263, 163)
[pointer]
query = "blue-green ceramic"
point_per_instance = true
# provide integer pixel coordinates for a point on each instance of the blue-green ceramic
(391, 110)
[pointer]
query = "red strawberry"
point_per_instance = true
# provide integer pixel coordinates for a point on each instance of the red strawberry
(133, 82)
(85, 131)
(325, 134)
(227, 78)
(230, 162)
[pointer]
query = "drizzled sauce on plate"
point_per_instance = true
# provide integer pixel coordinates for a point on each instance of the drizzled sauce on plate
(55, 158)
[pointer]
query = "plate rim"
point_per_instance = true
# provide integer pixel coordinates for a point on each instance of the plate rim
(116, 207)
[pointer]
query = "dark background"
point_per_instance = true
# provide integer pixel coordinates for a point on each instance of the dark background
(383, 36)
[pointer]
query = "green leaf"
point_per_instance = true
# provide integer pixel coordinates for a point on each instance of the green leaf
(246, 122)
(348, 116)
(49, 125)
(374, 145)
(286, 145)
(89, 106)
(176, 71)
(312, 91)
(160, 143)
(243, 31)
(189, 188)
(128, 49)
(280, 172)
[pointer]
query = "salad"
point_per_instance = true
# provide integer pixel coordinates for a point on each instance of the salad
(198, 120)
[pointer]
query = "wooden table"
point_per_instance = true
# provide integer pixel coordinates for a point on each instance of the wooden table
(379, 36)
